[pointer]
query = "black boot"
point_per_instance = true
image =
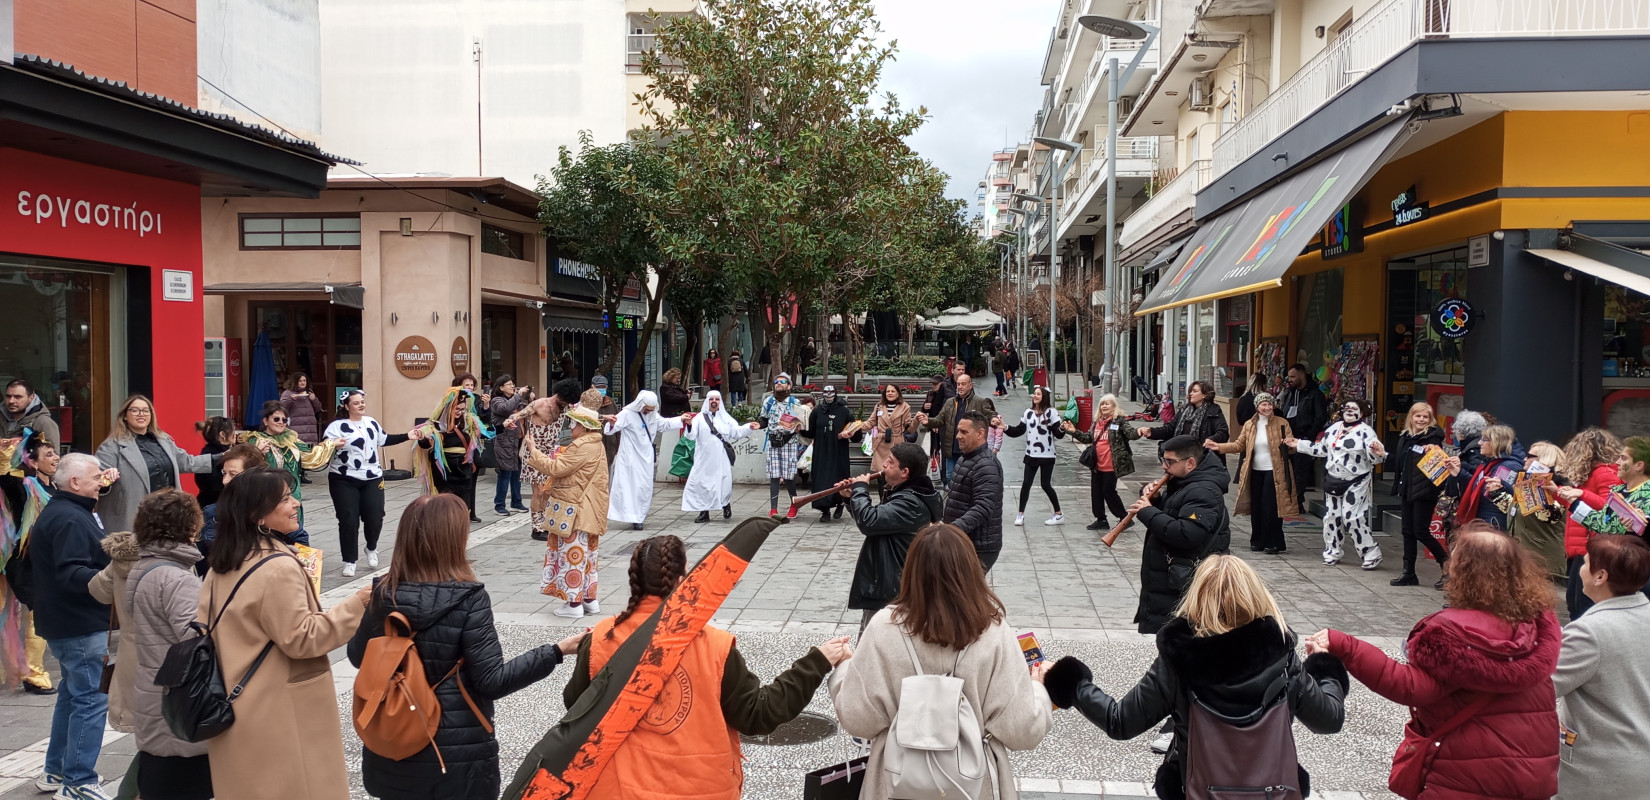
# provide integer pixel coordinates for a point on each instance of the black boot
(824, 516)
(541, 536)
(704, 516)
(837, 514)
(1444, 576)
(1406, 578)
(727, 512)
(1097, 525)
(636, 526)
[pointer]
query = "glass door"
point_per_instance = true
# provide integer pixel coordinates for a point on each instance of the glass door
(55, 334)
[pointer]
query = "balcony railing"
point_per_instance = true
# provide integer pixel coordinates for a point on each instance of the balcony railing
(1389, 28)
(1167, 201)
(639, 44)
(1132, 148)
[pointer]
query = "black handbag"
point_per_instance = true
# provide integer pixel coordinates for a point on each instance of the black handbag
(1337, 487)
(835, 782)
(487, 455)
(193, 700)
(1088, 458)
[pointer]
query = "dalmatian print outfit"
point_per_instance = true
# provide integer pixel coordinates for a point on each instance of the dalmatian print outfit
(1040, 428)
(1347, 450)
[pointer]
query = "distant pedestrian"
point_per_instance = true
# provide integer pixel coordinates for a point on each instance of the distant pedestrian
(946, 620)
(1199, 418)
(738, 378)
(1590, 465)
(713, 371)
(975, 501)
(147, 458)
(289, 708)
(22, 499)
(911, 503)
(506, 445)
(579, 485)
(431, 583)
(945, 424)
(1483, 667)
(355, 479)
(764, 360)
(1266, 485)
(1603, 676)
(1041, 425)
(23, 409)
(1417, 493)
(66, 550)
(892, 422)
(283, 450)
(674, 399)
(1011, 362)
(830, 427)
(632, 481)
(1307, 411)
(809, 355)
(1352, 448)
(782, 417)
(1185, 522)
(1113, 459)
(710, 483)
(447, 447)
(1227, 651)
(303, 409)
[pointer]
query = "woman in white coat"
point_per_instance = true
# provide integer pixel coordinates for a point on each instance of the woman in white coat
(710, 483)
(632, 482)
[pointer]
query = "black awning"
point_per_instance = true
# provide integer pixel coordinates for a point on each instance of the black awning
(1165, 257)
(572, 320)
(1250, 247)
(349, 296)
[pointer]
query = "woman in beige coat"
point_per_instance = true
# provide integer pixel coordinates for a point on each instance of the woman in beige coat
(576, 513)
(1266, 490)
(287, 741)
(108, 586)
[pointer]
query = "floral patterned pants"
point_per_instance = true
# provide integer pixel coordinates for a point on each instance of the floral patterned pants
(570, 568)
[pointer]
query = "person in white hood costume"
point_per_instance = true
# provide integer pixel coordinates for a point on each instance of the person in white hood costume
(710, 483)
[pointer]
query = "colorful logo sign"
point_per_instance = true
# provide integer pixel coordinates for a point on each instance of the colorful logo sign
(1196, 260)
(1341, 234)
(1406, 209)
(1453, 318)
(1278, 225)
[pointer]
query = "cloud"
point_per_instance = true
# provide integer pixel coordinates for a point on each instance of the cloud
(977, 67)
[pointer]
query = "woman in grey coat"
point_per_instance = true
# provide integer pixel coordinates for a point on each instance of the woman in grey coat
(1603, 676)
(147, 458)
(506, 445)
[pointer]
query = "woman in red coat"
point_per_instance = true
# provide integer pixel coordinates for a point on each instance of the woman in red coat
(1498, 637)
(1590, 464)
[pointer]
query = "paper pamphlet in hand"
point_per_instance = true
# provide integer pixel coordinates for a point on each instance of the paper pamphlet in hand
(312, 565)
(1434, 464)
(1508, 475)
(1031, 649)
(1534, 493)
(1626, 512)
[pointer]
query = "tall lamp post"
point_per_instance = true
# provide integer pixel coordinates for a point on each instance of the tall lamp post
(1070, 149)
(1110, 380)
(1020, 273)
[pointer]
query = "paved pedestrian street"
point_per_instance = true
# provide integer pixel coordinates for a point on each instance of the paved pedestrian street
(1057, 581)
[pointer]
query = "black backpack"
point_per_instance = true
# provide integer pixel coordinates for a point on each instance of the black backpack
(1270, 768)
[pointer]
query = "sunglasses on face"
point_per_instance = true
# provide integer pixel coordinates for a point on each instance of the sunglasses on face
(277, 419)
(1169, 462)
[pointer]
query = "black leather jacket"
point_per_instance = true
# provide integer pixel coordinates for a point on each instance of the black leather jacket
(888, 529)
(450, 621)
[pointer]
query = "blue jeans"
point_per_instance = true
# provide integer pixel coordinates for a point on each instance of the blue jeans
(510, 481)
(948, 465)
(77, 721)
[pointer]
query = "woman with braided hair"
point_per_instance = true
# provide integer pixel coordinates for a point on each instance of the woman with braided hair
(689, 740)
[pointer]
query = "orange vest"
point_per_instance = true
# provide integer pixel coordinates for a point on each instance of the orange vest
(683, 749)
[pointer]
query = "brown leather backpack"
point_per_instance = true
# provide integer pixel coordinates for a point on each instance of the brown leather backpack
(396, 710)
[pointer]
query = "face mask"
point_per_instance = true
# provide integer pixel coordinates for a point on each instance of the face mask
(603, 391)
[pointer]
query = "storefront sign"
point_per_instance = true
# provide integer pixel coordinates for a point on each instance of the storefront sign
(1406, 209)
(575, 280)
(1342, 234)
(1478, 251)
(627, 322)
(415, 357)
(1453, 318)
(179, 285)
(461, 356)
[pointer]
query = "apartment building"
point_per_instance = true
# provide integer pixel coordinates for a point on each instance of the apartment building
(996, 193)
(1419, 200)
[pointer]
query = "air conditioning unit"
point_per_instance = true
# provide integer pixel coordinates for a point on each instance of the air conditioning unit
(1202, 94)
(1125, 106)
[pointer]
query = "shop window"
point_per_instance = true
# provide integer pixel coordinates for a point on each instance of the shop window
(1318, 318)
(1626, 337)
(504, 242)
(57, 335)
(301, 232)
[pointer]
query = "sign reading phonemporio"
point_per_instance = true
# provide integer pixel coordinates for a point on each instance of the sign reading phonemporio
(415, 357)
(461, 356)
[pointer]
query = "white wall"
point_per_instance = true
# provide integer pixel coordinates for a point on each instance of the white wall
(400, 82)
(266, 54)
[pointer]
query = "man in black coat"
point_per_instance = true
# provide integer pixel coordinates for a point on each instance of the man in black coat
(1184, 522)
(66, 551)
(975, 502)
(826, 424)
(1307, 412)
(911, 504)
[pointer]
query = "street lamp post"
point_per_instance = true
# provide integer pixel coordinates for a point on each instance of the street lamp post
(1110, 380)
(1070, 149)
(1020, 273)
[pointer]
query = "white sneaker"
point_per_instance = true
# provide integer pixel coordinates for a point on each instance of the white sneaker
(1019, 519)
(1374, 563)
(349, 569)
(48, 782)
(592, 607)
(1057, 519)
(90, 791)
(1161, 744)
(372, 558)
(570, 612)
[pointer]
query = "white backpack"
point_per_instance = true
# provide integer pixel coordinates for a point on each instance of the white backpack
(935, 749)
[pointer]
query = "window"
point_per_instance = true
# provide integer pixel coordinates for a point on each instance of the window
(504, 242)
(300, 232)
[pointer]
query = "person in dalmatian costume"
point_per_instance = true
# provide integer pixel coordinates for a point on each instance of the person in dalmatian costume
(1352, 449)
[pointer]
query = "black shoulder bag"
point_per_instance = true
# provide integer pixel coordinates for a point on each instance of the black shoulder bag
(193, 700)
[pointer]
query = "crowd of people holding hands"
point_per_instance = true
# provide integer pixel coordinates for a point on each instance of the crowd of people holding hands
(1507, 702)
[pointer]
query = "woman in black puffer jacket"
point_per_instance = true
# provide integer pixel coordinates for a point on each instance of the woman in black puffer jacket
(430, 581)
(1416, 492)
(1228, 644)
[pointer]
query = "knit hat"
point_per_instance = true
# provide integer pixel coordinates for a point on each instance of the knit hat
(1265, 397)
(584, 416)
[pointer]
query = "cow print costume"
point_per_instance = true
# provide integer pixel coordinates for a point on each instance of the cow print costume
(1349, 450)
(359, 458)
(1040, 428)
(355, 479)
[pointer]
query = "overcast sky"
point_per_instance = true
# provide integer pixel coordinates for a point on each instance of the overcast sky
(975, 64)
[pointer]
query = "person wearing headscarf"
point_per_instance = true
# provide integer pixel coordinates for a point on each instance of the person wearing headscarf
(830, 426)
(782, 416)
(632, 482)
(579, 500)
(710, 484)
(447, 446)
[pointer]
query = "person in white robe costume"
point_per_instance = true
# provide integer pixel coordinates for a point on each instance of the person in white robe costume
(632, 482)
(710, 483)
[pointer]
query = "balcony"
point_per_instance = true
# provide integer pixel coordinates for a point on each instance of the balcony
(1170, 200)
(640, 44)
(1392, 26)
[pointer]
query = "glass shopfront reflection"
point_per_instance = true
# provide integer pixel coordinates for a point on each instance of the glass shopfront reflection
(55, 333)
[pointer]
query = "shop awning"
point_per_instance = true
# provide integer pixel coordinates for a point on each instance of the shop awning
(572, 320)
(349, 295)
(1250, 247)
(1637, 281)
(1165, 257)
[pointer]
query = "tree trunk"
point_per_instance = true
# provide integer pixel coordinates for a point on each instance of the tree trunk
(849, 373)
(633, 375)
(690, 350)
(613, 340)
(756, 373)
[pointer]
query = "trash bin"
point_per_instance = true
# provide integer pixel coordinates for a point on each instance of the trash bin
(1085, 413)
(1039, 376)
